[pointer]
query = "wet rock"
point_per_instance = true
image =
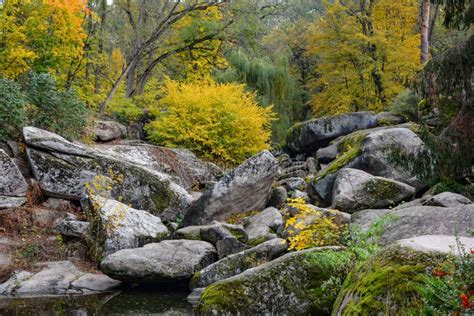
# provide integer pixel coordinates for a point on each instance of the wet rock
(95, 282)
(246, 188)
(164, 262)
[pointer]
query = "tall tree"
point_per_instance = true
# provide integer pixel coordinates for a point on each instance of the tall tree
(425, 30)
(152, 49)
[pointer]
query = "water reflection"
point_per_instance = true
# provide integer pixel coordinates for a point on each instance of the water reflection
(136, 301)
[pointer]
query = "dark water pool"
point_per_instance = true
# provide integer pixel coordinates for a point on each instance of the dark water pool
(137, 301)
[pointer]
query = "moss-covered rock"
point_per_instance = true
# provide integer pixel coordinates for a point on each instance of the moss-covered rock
(304, 282)
(356, 190)
(310, 135)
(387, 283)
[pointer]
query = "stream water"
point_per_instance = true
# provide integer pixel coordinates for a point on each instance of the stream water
(136, 301)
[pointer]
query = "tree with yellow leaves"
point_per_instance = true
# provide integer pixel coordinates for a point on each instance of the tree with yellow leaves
(367, 50)
(220, 122)
(41, 35)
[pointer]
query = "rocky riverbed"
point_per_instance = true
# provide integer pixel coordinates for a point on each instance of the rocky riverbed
(125, 227)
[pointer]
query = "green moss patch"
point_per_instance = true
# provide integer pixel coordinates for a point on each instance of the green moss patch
(386, 284)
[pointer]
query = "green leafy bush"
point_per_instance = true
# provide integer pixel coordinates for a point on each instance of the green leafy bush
(12, 108)
(406, 105)
(61, 112)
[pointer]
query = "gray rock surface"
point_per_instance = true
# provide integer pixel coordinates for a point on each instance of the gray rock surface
(263, 226)
(438, 243)
(13, 186)
(12, 182)
(126, 227)
(11, 201)
(188, 170)
(246, 188)
(355, 190)
(95, 282)
(63, 168)
(59, 205)
(56, 278)
(292, 184)
(310, 135)
(109, 130)
(73, 228)
(379, 148)
(447, 199)
(239, 262)
(227, 238)
(278, 197)
(287, 285)
(327, 154)
(415, 221)
(164, 262)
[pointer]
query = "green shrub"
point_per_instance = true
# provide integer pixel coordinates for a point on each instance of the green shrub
(61, 112)
(12, 108)
(406, 105)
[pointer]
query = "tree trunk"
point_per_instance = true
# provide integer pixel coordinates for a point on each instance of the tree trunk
(425, 30)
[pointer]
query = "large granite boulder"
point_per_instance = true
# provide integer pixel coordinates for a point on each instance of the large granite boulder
(389, 282)
(13, 186)
(246, 188)
(308, 136)
(292, 284)
(108, 130)
(239, 262)
(166, 262)
(356, 190)
(375, 152)
(415, 221)
(116, 226)
(56, 278)
(188, 170)
(63, 168)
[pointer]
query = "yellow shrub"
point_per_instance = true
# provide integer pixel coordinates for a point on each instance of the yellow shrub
(311, 228)
(220, 122)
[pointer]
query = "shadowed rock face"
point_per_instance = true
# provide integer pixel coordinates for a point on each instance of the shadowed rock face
(13, 186)
(246, 188)
(310, 135)
(63, 168)
(164, 262)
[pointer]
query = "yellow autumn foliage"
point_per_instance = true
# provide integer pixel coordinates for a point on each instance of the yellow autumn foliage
(41, 35)
(366, 58)
(311, 228)
(220, 122)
